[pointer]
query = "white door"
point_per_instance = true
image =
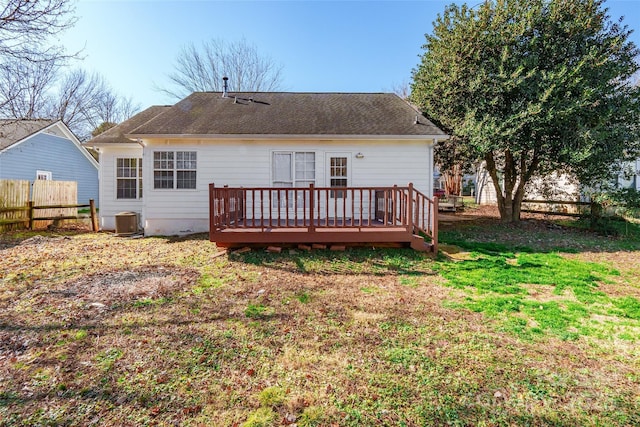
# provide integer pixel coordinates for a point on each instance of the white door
(292, 170)
(338, 176)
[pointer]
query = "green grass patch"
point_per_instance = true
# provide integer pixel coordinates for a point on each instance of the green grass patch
(208, 281)
(534, 294)
(628, 307)
(506, 273)
(272, 396)
(353, 261)
(261, 417)
(410, 281)
(108, 358)
(257, 311)
(146, 302)
(311, 417)
(303, 297)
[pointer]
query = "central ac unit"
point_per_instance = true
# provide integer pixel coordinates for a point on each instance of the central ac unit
(126, 223)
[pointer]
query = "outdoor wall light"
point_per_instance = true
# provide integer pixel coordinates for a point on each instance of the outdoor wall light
(359, 156)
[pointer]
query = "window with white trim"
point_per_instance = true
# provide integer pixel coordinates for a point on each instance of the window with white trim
(44, 175)
(129, 178)
(293, 169)
(174, 169)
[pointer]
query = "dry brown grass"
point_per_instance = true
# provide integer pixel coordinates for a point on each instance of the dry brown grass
(101, 330)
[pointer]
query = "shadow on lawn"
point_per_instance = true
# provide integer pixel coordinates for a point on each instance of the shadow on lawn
(542, 236)
(353, 261)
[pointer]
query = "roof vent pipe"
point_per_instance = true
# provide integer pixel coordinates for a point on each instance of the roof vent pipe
(225, 87)
(417, 122)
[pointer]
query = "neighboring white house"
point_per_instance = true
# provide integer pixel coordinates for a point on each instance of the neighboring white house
(160, 162)
(630, 179)
(555, 187)
(46, 149)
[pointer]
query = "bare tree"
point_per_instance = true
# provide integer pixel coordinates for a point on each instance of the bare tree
(28, 62)
(402, 89)
(113, 108)
(30, 90)
(201, 68)
(24, 87)
(31, 82)
(78, 99)
(85, 101)
(27, 25)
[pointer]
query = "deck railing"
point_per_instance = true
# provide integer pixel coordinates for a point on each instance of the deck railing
(313, 208)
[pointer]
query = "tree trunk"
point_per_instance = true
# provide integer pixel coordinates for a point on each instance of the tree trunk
(453, 180)
(509, 203)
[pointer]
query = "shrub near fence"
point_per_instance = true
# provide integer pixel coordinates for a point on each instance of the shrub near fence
(51, 201)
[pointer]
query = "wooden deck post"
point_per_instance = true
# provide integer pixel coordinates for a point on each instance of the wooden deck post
(312, 202)
(434, 225)
(212, 212)
(94, 216)
(410, 208)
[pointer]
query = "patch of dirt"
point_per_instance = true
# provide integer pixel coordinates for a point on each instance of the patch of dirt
(119, 286)
(39, 240)
(89, 296)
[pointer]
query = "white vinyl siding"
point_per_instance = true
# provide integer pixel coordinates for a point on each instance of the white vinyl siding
(110, 205)
(249, 163)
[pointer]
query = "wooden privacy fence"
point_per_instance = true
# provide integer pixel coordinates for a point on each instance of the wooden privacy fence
(51, 201)
(14, 196)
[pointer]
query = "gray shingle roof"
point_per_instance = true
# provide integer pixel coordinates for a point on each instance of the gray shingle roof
(285, 113)
(14, 130)
(116, 134)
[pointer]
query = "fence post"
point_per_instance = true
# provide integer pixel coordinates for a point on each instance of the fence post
(31, 215)
(94, 216)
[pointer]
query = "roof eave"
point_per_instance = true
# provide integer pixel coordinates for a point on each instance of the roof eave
(286, 136)
(131, 143)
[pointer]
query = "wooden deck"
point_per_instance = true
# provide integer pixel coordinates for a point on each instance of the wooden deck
(345, 215)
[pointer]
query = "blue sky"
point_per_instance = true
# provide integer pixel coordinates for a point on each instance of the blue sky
(323, 46)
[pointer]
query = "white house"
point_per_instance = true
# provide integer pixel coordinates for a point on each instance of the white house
(160, 162)
(557, 186)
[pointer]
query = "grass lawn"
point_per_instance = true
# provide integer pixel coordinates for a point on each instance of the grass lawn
(536, 324)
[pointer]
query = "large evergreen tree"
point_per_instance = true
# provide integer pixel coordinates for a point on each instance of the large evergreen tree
(531, 87)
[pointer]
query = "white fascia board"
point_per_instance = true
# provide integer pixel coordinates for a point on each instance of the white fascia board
(289, 136)
(132, 144)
